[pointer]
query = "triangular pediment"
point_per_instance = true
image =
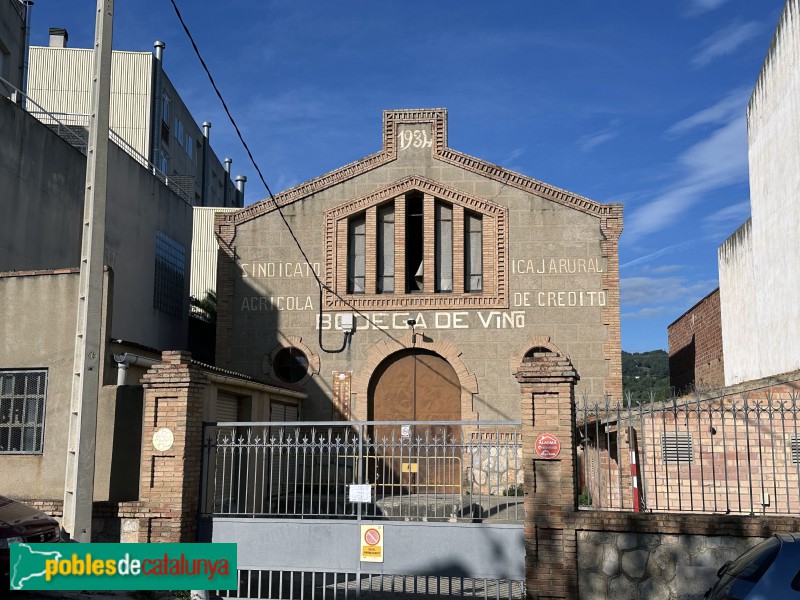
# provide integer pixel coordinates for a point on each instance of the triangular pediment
(436, 120)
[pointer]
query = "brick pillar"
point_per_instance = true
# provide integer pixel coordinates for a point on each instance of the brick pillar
(169, 484)
(547, 379)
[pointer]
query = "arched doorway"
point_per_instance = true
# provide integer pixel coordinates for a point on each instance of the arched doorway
(413, 386)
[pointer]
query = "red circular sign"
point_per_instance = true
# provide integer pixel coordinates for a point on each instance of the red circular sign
(547, 446)
(372, 537)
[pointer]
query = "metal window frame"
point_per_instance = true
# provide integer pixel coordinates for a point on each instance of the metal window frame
(168, 286)
(39, 426)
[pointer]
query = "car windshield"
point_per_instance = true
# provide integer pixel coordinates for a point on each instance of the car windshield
(751, 565)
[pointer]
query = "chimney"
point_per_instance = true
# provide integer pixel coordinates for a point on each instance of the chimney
(228, 162)
(207, 129)
(240, 181)
(58, 37)
(159, 46)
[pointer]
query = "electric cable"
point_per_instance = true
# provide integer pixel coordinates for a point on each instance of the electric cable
(322, 286)
(272, 198)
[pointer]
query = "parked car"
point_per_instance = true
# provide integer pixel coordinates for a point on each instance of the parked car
(22, 523)
(768, 571)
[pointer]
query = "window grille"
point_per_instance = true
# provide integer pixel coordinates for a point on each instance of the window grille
(168, 289)
(676, 448)
(22, 404)
(795, 445)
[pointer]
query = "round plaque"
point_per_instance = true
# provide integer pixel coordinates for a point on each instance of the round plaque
(548, 446)
(163, 439)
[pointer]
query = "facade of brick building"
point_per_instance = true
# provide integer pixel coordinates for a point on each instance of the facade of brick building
(695, 347)
(448, 266)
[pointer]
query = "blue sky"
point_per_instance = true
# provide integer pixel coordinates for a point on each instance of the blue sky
(635, 102)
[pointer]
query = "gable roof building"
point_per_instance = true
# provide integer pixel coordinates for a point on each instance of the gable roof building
(427, 275)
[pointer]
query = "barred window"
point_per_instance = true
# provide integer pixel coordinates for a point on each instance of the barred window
(169, 275)
(676, 448)
(795, 445)
(22, 403)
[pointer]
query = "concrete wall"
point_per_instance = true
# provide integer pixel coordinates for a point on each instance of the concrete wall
(695, 347)
(139, 205)
(42, 179)
(774, 127)
(37, 331)
(740, 314)
(274, 298)
(12, 42)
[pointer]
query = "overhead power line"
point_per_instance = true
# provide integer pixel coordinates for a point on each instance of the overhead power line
(319, 281)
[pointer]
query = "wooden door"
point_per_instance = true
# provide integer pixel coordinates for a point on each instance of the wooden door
(412, 386)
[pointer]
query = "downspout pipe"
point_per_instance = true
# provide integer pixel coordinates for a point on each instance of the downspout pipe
(125, 360)
(157, 100)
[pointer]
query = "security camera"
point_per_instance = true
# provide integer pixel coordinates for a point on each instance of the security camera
(411, 322)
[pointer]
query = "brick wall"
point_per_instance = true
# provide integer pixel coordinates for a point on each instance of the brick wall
(695, 347)
(170, 478)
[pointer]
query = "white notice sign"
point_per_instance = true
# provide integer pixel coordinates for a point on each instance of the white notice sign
(360, 493)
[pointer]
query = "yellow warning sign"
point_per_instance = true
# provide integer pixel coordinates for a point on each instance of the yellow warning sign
(371, 543)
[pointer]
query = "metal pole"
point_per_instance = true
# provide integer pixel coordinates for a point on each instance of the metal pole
(79, 478)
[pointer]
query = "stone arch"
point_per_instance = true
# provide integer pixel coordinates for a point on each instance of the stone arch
(536, 344)
(382, 350)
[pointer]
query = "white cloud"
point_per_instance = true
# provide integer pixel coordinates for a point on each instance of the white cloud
(658, 253)
(725, 41)
(647, 313)
(731, 106)
(725, 221)
(513, 155)
(698, 7)
(660, 291)
(718, 161)
(592, 140)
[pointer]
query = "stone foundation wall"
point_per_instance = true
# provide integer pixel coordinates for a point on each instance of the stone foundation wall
(652, 566)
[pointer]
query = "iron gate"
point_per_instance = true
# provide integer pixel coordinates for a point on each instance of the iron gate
(448, 496)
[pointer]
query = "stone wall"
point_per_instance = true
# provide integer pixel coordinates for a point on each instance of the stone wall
(652, 566)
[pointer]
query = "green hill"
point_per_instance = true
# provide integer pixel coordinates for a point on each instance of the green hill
(643, 372)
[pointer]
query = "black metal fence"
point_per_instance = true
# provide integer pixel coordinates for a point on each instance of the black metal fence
(730, 454)
(448, 471)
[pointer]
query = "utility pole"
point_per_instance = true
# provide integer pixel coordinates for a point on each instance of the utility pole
(79, 478)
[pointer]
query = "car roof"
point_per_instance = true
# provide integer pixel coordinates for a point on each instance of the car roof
(788, 537)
